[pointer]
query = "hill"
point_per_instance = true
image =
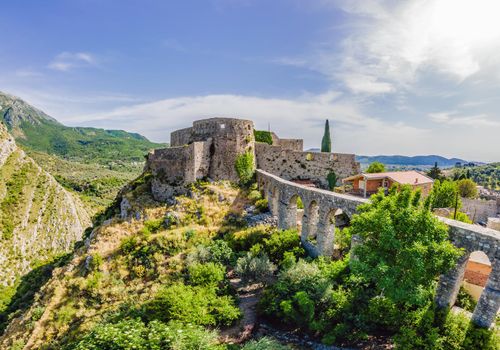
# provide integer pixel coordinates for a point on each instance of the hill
(36, 131)
(424, 161)
(487, 175)
(39, 219)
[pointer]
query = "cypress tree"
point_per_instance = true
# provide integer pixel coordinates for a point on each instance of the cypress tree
(326, 142)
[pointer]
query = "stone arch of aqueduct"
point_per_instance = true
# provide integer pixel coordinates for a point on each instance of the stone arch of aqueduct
(323, 209)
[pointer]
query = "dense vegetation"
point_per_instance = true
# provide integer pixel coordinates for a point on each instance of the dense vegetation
(263, 136)
(163, 282)
(376, 167)
(485, 175)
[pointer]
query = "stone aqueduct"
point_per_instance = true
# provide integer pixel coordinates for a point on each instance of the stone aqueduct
(323, 210)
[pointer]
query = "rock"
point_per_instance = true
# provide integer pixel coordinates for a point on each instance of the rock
(124, 208)
(253, 220)
(221, 197)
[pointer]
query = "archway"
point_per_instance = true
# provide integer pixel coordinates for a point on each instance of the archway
(310, 223)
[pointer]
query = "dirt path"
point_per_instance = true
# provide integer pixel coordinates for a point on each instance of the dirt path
(249, 296)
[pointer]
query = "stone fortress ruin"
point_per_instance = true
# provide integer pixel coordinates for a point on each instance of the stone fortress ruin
(210, 147)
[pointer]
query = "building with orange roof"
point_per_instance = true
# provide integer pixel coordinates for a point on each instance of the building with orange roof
(366, 184)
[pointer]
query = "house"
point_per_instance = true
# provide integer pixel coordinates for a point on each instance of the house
(366, 184)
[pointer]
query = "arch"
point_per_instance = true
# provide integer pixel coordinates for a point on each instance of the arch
(310, 222)
(289, 214)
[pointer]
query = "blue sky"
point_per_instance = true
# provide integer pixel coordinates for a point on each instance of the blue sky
(394, 77)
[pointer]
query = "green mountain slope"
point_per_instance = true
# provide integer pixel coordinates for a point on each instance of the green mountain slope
(36, 131)
(38, 217)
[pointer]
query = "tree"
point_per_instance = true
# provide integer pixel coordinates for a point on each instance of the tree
(326, 142)
(435, 172)
(467, 188)
(445, 195)
(405, 247)
(376, 167)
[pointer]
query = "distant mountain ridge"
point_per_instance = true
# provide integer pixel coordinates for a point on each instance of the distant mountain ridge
(37, 131)
(428, 160)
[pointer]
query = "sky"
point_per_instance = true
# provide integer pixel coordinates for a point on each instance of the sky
(393, 76)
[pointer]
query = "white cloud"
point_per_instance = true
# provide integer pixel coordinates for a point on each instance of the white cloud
(353, 131)
(67, 61)
(455, 119)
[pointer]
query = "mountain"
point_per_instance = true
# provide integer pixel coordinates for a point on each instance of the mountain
(39, 219)
(37, 131)
(411, 161)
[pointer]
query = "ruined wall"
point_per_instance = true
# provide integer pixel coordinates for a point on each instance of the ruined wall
(480, 210)
(290, 144)
(181, 137)
(174, 167)
(314, 166)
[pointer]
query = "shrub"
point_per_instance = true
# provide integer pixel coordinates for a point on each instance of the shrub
(282, 241)
(467, 188)
(254, 268)
(192, 304)
(208, 274)
(245, 166)
(243, 240)
(135, 335)
(152, 226)
(262, 205)
(332, 180)
(264, 343)
(263, 136)
(254, 196)
(461, 216)
(465, 300)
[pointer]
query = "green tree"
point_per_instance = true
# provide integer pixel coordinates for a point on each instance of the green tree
(435, 172)
(376, 167)
(332, 180)
(245, 167)
(467, 188)
(326, 142)
(445, 194)
(405, 247)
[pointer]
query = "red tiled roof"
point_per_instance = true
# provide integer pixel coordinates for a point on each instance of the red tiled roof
(410, 177)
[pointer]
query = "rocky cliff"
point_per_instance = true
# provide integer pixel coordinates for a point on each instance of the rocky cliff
(38, 217)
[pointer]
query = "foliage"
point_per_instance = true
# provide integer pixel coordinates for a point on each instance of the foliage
(300, 204)
(245, 167)
(135, 335)
(254, 196)
(487, 175)
(405, 247)
(262, 205)
(435, 172)
(264, 343)
(332, 180)
(243, 240)
(281, 242)
(326, 141)
(461, 216)
(254, 267)
(198, 305)
(467, 188)
(263, 136)
(375, 167)
(208, 274)
(445, 195)
(465, 300)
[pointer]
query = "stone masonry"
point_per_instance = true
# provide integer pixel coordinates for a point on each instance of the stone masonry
(321, 208)
(210, 147)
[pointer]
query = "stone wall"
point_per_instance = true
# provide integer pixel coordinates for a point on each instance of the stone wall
(479, 210)
(322, 207)
(181, 137)
(314, 166)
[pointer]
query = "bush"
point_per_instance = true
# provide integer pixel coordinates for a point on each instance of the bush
(467, 188)
(262, 205)
(465, 300)
(254, 268)
(192, 304)
(243, 240)
(135, 335)
(254, 196)
(332, 180)
(245, 166)
(152, 226)
(208, 274)
(263, 136)
(264, 343)
(282, 241)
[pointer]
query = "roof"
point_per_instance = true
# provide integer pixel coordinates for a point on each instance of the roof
(410, 177)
